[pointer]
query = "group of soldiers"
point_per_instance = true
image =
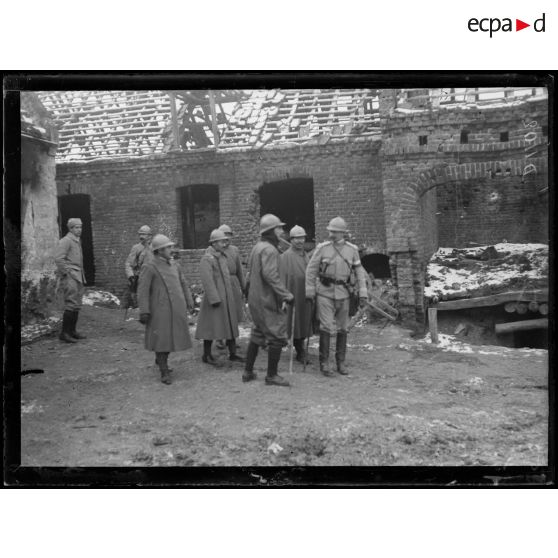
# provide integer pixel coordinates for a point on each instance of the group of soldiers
(290, 294)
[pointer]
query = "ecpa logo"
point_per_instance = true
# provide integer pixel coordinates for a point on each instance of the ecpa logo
(494, 24)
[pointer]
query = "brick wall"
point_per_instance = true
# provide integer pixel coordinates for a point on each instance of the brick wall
(128, 193)
(397, 196)
(422, 184)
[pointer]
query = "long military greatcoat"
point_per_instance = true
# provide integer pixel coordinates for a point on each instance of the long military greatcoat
(237, 279)
(293, 274)
(267, 291)
(161, 294)
(216, 322)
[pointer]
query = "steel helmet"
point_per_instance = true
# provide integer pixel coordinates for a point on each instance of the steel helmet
(226, 229)
(297, 231)
(160, 241)
(216, 235)
(144, 230)
(268, 222)
(337, 224)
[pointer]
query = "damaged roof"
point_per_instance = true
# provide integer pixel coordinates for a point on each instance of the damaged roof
(108, 124)
(275, 116)
(115, 124)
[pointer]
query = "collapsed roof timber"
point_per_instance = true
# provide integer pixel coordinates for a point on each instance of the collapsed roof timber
(113, 124)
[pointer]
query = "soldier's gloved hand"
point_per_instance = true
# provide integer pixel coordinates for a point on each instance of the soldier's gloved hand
(144, 318)
(215, 304)
(362, 301)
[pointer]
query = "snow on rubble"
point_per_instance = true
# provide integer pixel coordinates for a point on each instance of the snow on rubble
(100, 298)
(465, 272)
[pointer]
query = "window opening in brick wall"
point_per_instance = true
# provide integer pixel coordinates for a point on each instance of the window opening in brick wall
(377, 264)
(292, 201)
(79, 205)
(199, 212)
(423, 140)
(545, 131)
(504, 136)
(464, 136)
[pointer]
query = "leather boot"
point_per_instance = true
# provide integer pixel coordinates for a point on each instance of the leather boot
(251, 355)
(272, 378)
(65, 333)
(207, 357)
(301, 354)
(73, 332)
(340, 352)
(161, 359)
(231, 344)
(324, 353)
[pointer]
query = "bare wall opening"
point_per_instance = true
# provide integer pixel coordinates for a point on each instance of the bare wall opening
(292, 200)
(79, 205)
(199, 213)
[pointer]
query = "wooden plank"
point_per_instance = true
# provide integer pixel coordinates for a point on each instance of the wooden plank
(510, 327)
(214, 127)
(380, 311)
(433, 324)
(494, 300)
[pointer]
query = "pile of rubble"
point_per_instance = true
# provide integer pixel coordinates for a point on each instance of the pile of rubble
(454, 273)
(100, 298)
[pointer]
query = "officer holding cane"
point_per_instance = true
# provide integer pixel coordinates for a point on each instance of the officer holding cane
(335, 273)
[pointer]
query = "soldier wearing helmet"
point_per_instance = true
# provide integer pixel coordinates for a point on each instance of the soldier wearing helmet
(139, 254)
(267, 301)
(163, 305)
(236, 272)
(333, 273)
(293, 271)
(218, 317)
(69, 261)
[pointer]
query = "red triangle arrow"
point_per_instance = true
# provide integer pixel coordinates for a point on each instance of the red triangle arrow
(519, 25)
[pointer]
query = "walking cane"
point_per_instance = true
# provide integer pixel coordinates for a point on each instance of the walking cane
(292, 341)
(308, 334)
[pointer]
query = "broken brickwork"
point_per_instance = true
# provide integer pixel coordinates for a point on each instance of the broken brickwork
(408, 173)
(439, 191)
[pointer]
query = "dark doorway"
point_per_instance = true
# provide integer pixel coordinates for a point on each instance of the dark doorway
(292, 201)
(78, 205)
(377, 264)
(199, 213)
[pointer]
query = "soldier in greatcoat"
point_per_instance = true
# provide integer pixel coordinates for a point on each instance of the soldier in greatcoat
(293, 272)
(267, 300)
(218, 317)
(163, 306)
(140, 253)
(69, 261)
(329, 278)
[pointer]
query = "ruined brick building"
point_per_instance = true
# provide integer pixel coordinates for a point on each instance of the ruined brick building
(410, 170)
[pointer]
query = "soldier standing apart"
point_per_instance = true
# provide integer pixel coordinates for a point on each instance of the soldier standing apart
(162, 306)
(218, 318)
(140, 253)
(236, 273)
(328, 279)
(267, 300)
(69, 261)
(293, 273)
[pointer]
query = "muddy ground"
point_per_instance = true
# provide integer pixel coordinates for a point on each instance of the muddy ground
(100, 403)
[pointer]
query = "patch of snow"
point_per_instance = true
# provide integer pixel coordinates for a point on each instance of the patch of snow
(445, 279)
(100, 298)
